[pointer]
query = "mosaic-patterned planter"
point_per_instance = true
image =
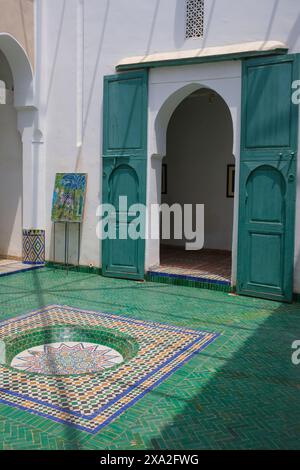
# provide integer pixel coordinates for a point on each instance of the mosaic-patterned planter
(34, 247)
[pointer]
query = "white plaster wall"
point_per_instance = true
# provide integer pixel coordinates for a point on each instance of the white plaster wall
(82, 40)
(199, 148)
(10, 184)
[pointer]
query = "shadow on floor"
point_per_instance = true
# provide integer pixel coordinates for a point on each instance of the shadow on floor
(242, 392)
(253, 402)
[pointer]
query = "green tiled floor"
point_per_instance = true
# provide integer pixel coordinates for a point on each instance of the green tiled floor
(242, 392)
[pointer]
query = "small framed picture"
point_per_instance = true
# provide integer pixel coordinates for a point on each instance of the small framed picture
(164, 179)
(230, 180)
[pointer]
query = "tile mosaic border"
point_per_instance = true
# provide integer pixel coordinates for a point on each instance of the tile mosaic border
(188, 281)
(25, 270)
(189, 277)
(129, 396)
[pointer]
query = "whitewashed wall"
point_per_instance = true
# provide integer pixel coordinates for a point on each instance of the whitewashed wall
(83, 40)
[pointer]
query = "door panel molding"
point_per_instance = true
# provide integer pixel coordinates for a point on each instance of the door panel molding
(125, 114)
(268, 176)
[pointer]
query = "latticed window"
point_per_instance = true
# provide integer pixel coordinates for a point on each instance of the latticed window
(194, 18)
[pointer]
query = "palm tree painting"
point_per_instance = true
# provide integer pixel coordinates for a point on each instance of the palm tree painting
(69, 197)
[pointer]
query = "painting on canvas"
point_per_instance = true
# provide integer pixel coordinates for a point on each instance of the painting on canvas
(69, 197)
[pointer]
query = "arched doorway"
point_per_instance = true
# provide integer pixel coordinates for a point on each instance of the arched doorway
(10, 168)
(196, 168)
(22, 163)
(199, 169)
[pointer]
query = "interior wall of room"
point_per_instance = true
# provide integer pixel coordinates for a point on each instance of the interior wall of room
(199, 148)
(10, 172)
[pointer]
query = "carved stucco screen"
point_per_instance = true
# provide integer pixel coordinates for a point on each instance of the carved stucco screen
(194, 18)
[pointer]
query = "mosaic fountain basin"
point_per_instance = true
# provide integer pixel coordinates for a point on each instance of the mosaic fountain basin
(87, 400)
(66, 350)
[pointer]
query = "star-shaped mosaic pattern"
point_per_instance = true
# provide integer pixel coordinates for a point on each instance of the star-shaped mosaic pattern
(67, 359)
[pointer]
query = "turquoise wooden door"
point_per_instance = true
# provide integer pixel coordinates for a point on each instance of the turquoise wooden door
(268, 178)
(124, 171)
